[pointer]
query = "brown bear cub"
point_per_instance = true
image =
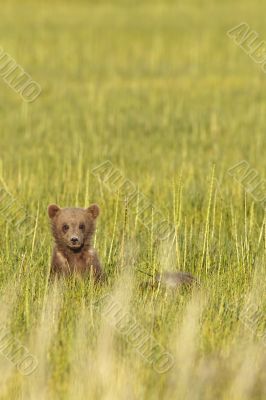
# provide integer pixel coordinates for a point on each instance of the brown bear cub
(73, 230)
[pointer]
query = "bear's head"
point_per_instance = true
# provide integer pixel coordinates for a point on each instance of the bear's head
(73, 227)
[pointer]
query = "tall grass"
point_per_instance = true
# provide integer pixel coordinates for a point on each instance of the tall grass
(160, 90)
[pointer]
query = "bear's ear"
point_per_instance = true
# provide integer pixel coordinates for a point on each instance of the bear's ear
(53, 210)
(94, 211)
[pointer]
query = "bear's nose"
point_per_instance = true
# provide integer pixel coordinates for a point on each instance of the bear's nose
(74, 239)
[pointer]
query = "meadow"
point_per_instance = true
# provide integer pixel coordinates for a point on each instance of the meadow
(160, 90)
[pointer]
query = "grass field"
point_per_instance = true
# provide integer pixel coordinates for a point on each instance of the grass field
(160, 90)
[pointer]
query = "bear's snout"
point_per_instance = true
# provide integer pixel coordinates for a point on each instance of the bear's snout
(74, 240)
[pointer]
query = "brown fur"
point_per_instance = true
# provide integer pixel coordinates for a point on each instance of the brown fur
(73, 230)
(173, 280)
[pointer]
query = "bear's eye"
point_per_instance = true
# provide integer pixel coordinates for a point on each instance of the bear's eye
(65, 227)
(82, 227)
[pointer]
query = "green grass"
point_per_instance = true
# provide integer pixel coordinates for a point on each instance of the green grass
(160, 90)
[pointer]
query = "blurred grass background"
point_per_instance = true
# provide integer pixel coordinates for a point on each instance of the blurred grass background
(160, 90)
